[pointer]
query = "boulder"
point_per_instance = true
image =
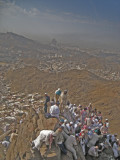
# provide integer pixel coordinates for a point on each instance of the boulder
(21, 148)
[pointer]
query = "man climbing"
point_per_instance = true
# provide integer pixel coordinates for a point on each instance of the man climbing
(44, 136)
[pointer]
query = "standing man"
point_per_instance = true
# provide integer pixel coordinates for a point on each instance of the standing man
(57, 94)
(47, 99)
(63, 102)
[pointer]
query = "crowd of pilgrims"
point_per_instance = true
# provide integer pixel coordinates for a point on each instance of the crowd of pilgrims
(77, 125)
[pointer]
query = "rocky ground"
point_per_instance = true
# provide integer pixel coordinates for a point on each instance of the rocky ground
(18, 99)
(28, 70)
(83, 87)
(28, 120)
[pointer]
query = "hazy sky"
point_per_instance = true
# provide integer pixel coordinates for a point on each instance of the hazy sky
(84, 21)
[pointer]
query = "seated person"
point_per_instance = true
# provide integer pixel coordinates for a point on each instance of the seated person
(54, 110)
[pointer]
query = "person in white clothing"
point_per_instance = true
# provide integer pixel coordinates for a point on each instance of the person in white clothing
(44, 136)
(54, 111)
(107, 123)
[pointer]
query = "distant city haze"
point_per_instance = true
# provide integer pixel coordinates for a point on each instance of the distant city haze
(87, 23)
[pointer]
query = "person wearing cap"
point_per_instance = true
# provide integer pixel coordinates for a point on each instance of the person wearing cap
(57, 94)
(47, 99)
(59, 139)
(54, 110)
(70, 143)
(63, 101)
(61, 122)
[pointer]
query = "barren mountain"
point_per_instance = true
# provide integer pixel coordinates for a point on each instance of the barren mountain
(26, 66)
(83, 87)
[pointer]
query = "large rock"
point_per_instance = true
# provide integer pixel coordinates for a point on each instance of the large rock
(50, 154)
(20, 149)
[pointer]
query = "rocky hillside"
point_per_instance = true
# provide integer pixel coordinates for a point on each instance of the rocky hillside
(83, 87)
(20, 147)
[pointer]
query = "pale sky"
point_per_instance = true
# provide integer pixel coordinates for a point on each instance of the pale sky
(92, 22)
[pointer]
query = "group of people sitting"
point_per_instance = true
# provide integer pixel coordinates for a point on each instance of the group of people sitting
(81, 126)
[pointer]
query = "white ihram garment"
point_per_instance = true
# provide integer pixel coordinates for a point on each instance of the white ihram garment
(43, 137)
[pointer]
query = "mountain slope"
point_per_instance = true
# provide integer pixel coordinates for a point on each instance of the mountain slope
(83, 87)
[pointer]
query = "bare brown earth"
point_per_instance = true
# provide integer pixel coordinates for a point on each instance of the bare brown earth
(83, 87)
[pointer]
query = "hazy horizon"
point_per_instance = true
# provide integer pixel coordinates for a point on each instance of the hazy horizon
(90, 23)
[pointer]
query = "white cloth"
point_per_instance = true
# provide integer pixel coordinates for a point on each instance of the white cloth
(43, 137)
(5, 143)
(54, 111)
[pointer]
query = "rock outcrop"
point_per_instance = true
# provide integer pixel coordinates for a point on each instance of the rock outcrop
(20, 148)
